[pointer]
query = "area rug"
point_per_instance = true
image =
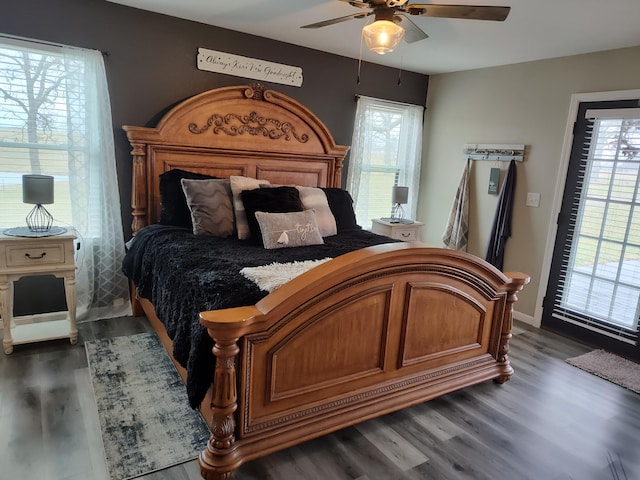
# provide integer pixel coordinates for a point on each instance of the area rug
(610, 367)
(145, 418)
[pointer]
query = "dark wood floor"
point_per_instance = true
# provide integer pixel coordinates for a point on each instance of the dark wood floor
(550, 422)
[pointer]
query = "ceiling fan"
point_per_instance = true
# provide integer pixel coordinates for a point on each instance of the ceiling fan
(391, 23)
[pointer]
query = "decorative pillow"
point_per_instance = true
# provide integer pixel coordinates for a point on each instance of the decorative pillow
(174, 210)
(315, 199)
(270, 200)
(293, 229)
(238, 185)
(341, 205)
(210, 204)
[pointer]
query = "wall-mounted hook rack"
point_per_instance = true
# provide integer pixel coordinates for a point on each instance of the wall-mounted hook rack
(494, 152)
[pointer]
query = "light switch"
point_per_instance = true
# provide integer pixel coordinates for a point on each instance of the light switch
(533, 199)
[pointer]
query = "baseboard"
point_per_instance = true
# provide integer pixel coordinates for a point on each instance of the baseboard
(528, 319)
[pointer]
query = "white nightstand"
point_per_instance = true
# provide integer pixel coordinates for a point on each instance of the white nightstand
(407, 232)
(26, 256)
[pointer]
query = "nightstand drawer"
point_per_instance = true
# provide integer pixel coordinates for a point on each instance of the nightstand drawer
(406, 234)
(49, 254)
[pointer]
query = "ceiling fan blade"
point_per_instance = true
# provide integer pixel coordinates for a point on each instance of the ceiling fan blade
(337, 20)
(474, 12)
(356, 3)
(412, 32)
(375, 3)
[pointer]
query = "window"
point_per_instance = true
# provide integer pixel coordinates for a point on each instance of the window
(385, 151)
(55, 119)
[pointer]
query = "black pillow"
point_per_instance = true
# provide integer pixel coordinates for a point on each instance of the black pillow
(174, 210)
(269, 200)
(341, 205)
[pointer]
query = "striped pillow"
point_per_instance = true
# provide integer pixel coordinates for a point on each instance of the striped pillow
(314, 198)
(238, 184)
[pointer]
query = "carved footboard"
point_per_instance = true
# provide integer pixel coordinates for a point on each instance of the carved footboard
(366, 334)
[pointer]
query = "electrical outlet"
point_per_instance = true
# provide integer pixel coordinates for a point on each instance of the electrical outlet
(533, 199)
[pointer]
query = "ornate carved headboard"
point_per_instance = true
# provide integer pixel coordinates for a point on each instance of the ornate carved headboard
(242, 130)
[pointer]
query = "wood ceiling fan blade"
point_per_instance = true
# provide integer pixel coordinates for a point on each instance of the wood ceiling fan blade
(412, 32)
(337, 20)
(372, 3)
(356, 3)
(473, 12)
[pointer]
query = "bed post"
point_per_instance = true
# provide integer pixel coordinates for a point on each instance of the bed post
(518, 281)
(139, 208)
(139, 188)
(337, 174)
(219, 459)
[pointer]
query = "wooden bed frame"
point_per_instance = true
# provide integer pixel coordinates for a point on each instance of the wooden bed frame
(368, 333)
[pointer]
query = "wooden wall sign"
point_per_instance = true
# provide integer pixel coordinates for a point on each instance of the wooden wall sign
(229, 64)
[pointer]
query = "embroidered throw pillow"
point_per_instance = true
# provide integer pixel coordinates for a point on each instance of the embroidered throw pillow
(238, 185)
(285, 230)
(210, 204)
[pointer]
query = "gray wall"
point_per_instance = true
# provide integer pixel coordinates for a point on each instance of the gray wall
(522, 103)
(151, 65)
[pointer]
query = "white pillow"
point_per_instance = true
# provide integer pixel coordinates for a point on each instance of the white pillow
(238, 184)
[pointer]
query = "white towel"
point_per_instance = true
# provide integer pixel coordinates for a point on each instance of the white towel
(456, 234)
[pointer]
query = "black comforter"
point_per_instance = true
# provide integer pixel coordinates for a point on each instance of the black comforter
(183, 274)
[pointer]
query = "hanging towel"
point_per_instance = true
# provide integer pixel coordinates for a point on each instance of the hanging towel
(457, 232)
(501, 228)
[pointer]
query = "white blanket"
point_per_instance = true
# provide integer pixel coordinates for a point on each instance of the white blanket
(269, 277)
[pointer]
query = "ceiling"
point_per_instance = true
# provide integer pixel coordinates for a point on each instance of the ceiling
(534, 30)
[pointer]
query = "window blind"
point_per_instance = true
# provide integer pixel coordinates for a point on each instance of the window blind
(36, 130)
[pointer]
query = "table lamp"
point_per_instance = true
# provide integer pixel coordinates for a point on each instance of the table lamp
(38, 190)
(399, 196)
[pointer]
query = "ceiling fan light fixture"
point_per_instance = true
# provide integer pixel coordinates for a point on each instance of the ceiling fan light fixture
(382, 36)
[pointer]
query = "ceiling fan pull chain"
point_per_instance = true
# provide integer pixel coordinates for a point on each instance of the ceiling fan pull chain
(400, 71)
(359, 61)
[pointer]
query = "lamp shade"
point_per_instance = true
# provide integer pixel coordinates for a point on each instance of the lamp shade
(382, 36)
(37, 189)
(399, 194)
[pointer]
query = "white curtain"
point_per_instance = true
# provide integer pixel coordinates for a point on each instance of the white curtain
(386, 150)
(102, 288)
(73, 141)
